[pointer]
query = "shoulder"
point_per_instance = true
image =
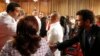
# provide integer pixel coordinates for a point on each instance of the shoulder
(7, 48)
(8, 45)
(5, 18)
(3, 14)
(43, 48)
(95, 30)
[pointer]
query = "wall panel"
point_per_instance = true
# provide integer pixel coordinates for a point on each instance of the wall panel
(64, 7)
(2, 6)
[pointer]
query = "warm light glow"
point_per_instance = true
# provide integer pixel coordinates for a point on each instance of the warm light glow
(35, 0)
(7, 1)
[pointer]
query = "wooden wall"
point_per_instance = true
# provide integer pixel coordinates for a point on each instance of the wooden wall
(64, 7)
(70, 7)
(41, 6)
(2, 6)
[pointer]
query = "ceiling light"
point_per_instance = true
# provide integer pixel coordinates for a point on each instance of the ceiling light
(35, 0)
(7, 1)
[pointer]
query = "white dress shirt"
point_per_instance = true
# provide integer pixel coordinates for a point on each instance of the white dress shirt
(39, 24)
(7, 27)
(55, 34)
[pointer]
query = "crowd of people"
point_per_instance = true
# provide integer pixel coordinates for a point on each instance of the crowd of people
(52, 35)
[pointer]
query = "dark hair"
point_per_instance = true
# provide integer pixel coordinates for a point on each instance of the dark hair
(26, 39)
(11, 7)
(63, 23)
(86, 14)
(43, 31)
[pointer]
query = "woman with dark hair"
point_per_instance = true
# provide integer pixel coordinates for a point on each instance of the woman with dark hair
(26, 42)
(43, 31)
(63, 24)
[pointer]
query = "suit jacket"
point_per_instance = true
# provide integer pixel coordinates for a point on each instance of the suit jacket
(87, 51)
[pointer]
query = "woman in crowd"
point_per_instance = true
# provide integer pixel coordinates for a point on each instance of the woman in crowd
(43, 31)
(26, 42)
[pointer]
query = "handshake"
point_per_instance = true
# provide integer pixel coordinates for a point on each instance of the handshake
(53, 47)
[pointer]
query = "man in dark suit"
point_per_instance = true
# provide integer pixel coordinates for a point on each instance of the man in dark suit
(88, 35)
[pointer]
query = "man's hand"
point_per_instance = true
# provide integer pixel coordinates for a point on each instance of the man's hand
(53, 47)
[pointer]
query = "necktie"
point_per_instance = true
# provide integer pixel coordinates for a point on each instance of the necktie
(90, 39)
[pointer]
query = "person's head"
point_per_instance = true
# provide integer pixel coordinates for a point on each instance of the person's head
(41, 14)
(13, 8)
(35, 12)
(55, 17)
(84, 18)
(26, 39)
(98, 18)
(67, 17)
(63, 21)
(22, 14)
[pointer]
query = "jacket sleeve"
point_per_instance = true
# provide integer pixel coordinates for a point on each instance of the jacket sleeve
(67, 43)
(70, 42)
